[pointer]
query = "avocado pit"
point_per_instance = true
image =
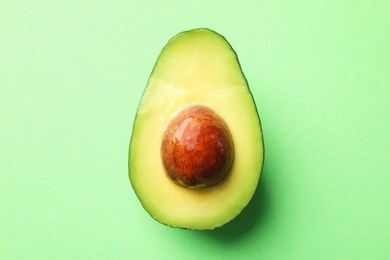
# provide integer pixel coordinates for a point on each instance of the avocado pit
(197, 149)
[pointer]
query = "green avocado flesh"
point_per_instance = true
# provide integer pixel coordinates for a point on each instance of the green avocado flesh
(196, 67)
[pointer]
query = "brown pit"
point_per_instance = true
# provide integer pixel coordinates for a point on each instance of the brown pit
(197, 148)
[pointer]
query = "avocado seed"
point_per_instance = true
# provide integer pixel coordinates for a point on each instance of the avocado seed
(197, 148)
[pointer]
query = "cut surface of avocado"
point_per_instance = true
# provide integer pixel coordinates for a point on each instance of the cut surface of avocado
(196, 67)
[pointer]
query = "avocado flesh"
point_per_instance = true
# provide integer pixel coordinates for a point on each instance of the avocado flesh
(196, 67)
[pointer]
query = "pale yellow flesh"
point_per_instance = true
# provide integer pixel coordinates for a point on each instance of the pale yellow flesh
(196, 67)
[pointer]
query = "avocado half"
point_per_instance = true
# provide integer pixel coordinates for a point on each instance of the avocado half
(196, 67)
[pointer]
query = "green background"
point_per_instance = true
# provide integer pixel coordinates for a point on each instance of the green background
(71, 76)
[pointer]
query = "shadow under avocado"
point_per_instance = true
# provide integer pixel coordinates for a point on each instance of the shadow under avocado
(253, 215)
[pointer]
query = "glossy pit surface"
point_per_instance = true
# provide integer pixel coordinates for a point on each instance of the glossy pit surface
(197, 148)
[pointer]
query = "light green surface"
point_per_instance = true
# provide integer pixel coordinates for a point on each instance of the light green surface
(72, 73)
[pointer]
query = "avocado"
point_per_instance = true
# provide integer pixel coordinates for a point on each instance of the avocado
(196, 150)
